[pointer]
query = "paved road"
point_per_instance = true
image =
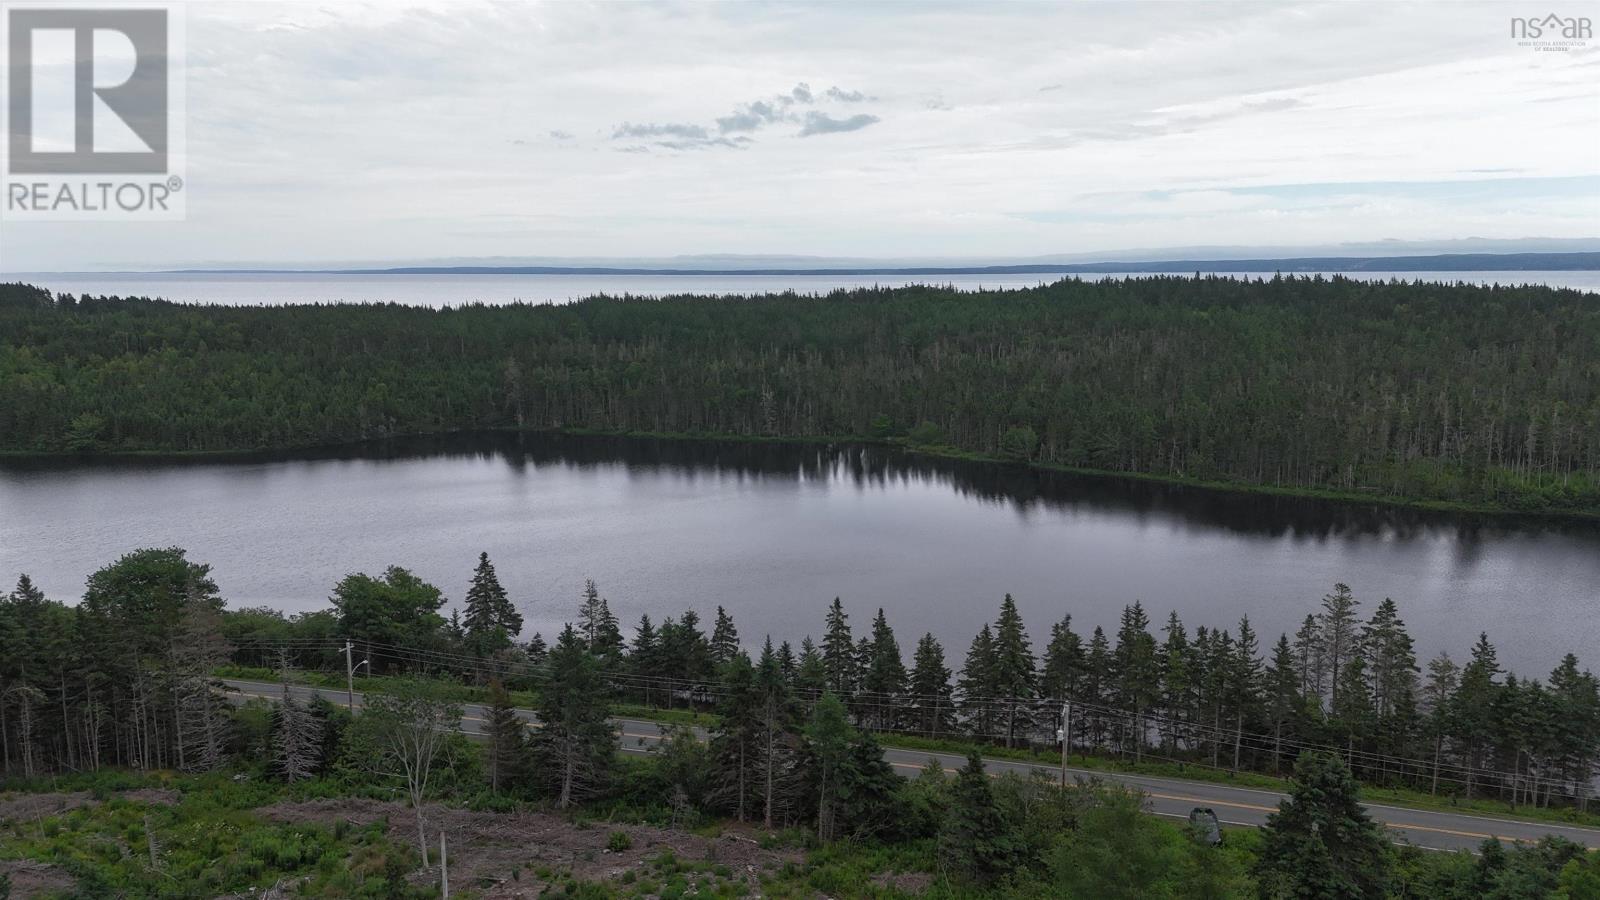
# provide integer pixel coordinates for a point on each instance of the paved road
(1172, 797)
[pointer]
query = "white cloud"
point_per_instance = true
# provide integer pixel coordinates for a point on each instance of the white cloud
(394, 131)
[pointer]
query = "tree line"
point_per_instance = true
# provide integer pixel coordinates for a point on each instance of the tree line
(122, 677)
(1486, 395)
(125, 679)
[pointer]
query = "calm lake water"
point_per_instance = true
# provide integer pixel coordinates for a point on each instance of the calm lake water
(441, 290)
(774, 532)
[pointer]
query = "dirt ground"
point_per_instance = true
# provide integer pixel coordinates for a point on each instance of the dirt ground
(35, 879)
(31, 807)
(485, 848)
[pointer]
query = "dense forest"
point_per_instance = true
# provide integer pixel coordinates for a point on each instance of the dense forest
(123, 686)
(124, 683)
(1480, 395)
(120, 679)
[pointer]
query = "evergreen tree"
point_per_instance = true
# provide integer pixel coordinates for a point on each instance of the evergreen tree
(932, 705)
(975, 841)
(1575, 715)
(1063, 662)
(1338, 627)
(1138, 677)
(1392, 671)
(590, 619)
(736, 742)
(977, 684)
(870, 799)
(829, 762)
(1321, 844)
(644, 658)
(884, 680)
(1470, 714)
(1175, 672)
(538, 652)
(1097, 687)
(779, 749)
(811, 675)
(724, 639)
(1444, 676)
(1310, 658)
(787, 664)
(608, 639)
(491, 621)
(1244, 694)
(838, 652)
(1012, 671)
(507, 741)
(1353, 712)
(575, 746)
(1284, 698)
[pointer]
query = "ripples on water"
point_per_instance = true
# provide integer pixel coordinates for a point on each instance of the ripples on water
(774, 531)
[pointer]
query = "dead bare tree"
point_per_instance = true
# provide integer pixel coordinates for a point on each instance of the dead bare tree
(408, 728)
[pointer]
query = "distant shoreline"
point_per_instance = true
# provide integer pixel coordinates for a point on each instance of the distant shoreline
(1444, 262)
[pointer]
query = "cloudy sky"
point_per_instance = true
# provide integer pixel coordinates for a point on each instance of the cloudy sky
(333, 132)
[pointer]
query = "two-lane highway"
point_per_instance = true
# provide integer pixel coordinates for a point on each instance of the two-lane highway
(1172, 797)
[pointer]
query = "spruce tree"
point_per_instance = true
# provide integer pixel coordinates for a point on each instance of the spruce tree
(1137, 674)
(977, 684)
(1063, 662)
(828, 763)
(589, 616)
(884, 680)
(811, 674)
(931, 701)
(1097, 686)
(1283, 697)
(1013, 671)
(491, 621)
(1174, 669)
(1310, 658)
(975, 841)
(575, 746)
(644, 658)
(1338, 627)
(724, 639)
(505, 755)
(1321, 844)
(778, 750)
(538, 652)
(737, 740)
(838, 652)
(1470, 714)
(1438, 699)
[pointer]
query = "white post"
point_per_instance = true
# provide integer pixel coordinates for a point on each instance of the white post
(444, 869)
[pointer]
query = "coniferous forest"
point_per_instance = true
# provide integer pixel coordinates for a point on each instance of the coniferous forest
(121, 692)
(1486, 396)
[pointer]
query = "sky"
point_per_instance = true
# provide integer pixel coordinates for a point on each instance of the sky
(329, 133)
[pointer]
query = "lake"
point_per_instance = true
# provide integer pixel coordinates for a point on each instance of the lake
(441, 290)
(774, 531)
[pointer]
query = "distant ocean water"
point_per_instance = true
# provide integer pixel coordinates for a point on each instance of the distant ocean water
(273, 289)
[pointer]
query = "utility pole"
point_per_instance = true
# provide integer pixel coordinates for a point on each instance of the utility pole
(350, 676)
(1066, 738)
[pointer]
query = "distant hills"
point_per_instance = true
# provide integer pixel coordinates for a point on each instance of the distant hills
(1443, 262)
